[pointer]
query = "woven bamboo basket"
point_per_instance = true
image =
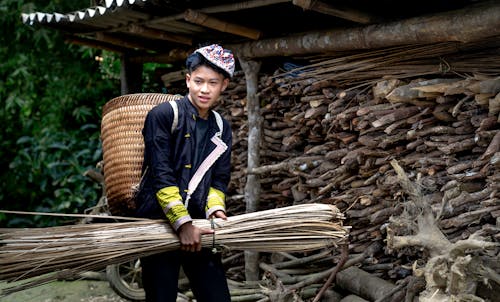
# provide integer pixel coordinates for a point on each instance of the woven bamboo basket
(123, 146)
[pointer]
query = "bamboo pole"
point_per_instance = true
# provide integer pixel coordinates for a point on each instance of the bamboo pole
(220, 25)
(113, 40)
(341, 12)
(159, 34)
(172, 56)
(96, 44)
(222, 9)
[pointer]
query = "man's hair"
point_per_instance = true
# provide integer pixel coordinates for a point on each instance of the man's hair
(196, 60)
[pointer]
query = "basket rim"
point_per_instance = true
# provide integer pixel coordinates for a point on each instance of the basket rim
(138, 99)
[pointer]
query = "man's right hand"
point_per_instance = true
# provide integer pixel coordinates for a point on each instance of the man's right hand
(190, 237)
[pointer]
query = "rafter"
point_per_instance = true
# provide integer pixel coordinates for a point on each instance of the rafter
(121, 42)
(337, 11)
(95, 44)
(159, 34)
(220, 25)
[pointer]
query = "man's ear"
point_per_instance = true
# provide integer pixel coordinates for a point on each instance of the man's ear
(188, 77)
(225, 82)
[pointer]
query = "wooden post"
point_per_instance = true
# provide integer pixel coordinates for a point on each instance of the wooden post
(252, 187)
(130, 76)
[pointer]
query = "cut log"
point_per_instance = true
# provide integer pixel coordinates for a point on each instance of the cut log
(353, 298)
(363, 284)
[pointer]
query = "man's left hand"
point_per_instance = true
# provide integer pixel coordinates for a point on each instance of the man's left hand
(218, 214)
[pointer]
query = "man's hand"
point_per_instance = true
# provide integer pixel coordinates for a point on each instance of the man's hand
(218, 214)
(190, 237)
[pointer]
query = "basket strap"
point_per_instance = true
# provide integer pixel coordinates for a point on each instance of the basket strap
(218, 119)
(220, 147)
(175, 108)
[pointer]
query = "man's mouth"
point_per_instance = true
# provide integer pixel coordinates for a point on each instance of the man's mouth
(204, 99)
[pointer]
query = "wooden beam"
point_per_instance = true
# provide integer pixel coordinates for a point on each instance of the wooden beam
(95, 44)
(159, 34)
(223, 26)
(239, 6)
(222, 9)
(465, 25)
(173, 56)
(119, 42)
(341, 12)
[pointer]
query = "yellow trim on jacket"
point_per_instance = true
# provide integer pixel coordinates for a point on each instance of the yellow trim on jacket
(215, 202)
(171, 202)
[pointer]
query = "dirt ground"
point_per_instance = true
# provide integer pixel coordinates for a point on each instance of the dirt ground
(67, 291)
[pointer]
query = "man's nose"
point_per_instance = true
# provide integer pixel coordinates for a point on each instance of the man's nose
(204, 87)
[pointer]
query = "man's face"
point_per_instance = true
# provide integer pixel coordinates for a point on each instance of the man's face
(205, 86)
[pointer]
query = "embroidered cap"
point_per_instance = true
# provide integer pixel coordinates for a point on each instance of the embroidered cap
(218, 56)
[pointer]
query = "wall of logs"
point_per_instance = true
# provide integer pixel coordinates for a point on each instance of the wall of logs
(329, 135)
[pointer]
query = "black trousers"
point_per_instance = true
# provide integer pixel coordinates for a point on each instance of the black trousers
(160, 274)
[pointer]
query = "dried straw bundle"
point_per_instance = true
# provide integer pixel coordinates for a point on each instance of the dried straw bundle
(69, 250)
(366, 68)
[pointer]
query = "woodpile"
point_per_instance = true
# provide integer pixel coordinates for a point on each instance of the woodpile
(331, 129)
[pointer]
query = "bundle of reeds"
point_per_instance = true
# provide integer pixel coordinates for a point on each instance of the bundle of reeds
(66, 251)
(366, 68)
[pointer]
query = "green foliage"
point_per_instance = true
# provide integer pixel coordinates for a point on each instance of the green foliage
(110, 65)
(151, 81)
(51, 96)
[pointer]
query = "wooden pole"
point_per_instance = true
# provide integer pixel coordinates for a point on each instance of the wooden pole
(470, 24)
(159, 34)
(113, 40)
(252, 186)
(220, 25)
(130, 76)
(224, 8)
(173, 56)
(221, 9)
(77, 40)
(336, 11)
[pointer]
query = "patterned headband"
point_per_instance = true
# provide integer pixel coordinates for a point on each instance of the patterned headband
(218, 56)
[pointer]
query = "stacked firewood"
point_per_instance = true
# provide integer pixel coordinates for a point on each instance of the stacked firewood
(331, 144)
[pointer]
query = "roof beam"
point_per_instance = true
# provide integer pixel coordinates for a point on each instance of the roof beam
(341, 12)
(95, 44)
(173, 56)
(219, 25)
(239, 6)
(159, 34)
(222, 9)
(121, 42)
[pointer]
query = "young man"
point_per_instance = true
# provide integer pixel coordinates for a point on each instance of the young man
(186, 173)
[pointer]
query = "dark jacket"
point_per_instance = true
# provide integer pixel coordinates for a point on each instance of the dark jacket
(168, 158)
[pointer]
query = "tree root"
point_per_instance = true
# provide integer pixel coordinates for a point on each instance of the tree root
(453, 269)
